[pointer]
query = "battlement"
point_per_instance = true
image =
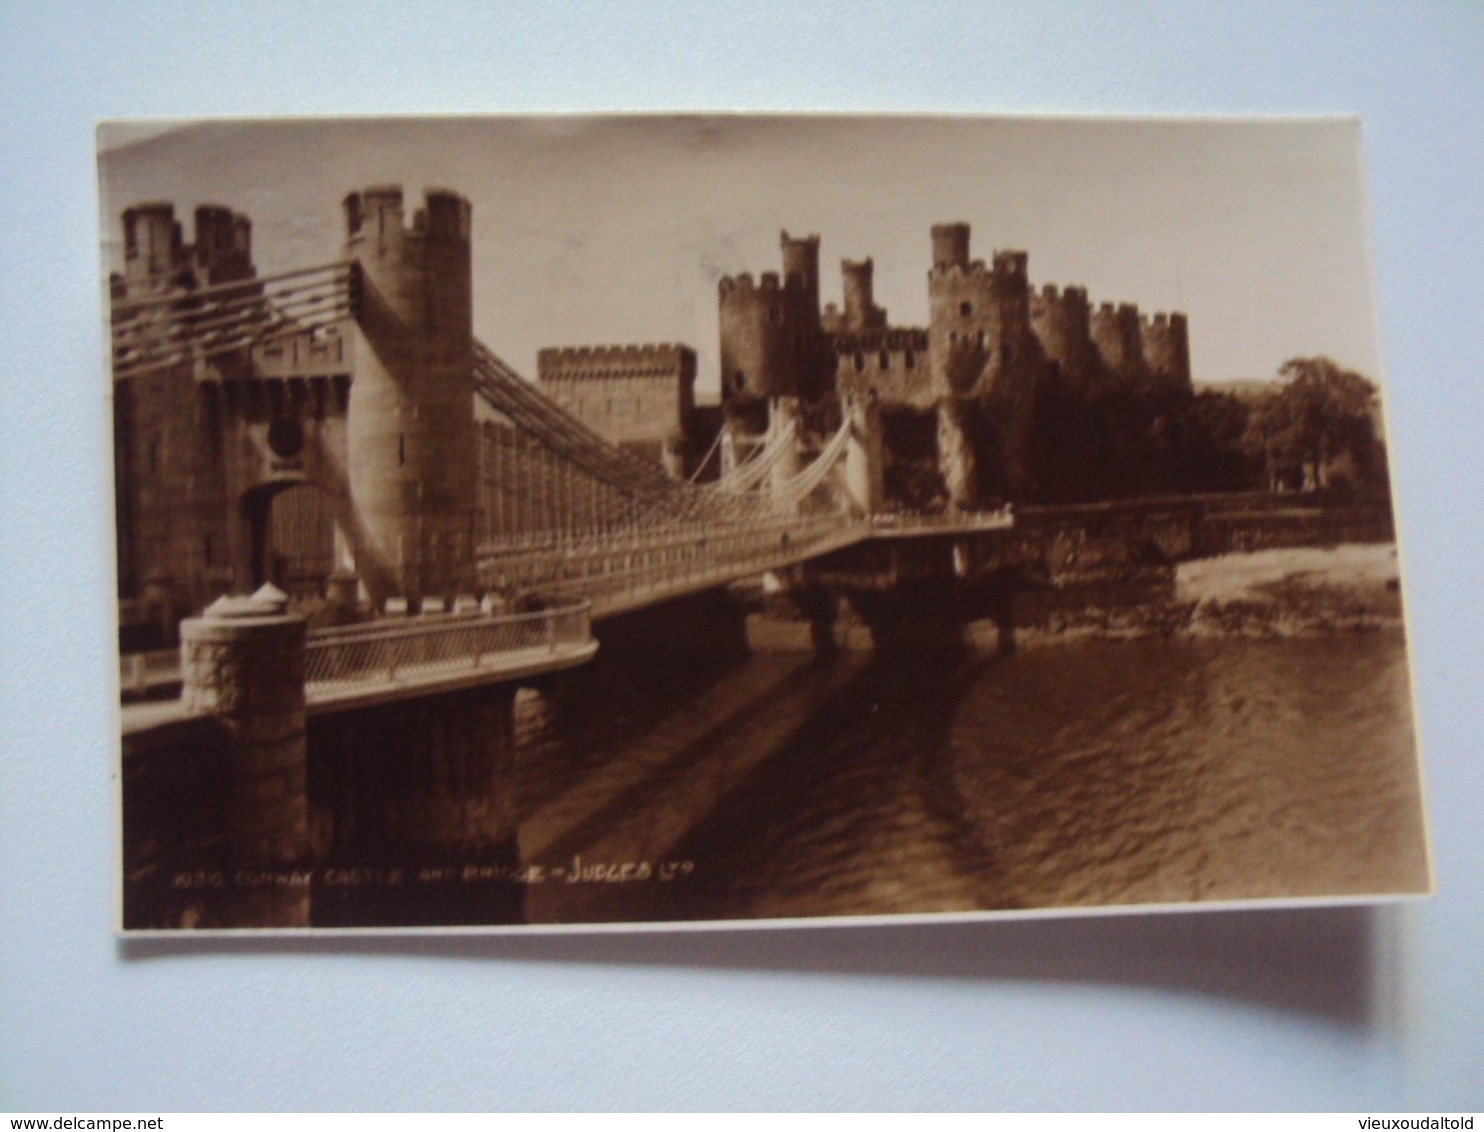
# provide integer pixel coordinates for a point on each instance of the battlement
(895, 339)
(1161, 321)
(881, 361)
(861, 311)
(1010, 263)
(801, 243)
(154, 243)
(950, 245)
(627, 360)
(1119, 314)
(769, 284)
(892, 366)
(1117, 331)
(976, 271)
(378, 211)
(1166, 346)
(801, 263)
(1069, 299)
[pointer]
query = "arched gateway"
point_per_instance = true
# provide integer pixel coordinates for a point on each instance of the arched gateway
(279, 428)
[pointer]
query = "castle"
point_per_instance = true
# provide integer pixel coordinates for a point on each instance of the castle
(972, 394)
(991, 401)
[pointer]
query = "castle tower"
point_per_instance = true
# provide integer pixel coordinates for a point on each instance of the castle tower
(981, 349)
(771, 341)
(1166, 344)
(1119, 339)
(223, 248)
(801, 267)
(963, 316)
(950, 246)
(861, 311)
(410, 424)
(153, 248)
(1062, 322)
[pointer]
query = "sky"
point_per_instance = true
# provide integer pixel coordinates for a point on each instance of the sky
(603, 230)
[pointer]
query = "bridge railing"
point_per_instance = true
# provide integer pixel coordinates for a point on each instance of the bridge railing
(673, 560)
(334, 662)
(915, 521)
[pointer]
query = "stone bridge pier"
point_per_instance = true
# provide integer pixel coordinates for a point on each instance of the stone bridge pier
(932, 614)
(399, 812)
(242, 667)
(418, 801)
(912, 594)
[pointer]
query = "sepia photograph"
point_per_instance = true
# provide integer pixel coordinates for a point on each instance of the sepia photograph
(567, 522)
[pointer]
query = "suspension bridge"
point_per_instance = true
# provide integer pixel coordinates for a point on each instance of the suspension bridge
(270, 364)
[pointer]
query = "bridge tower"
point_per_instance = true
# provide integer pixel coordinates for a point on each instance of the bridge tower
(410, 426)
(865, 461)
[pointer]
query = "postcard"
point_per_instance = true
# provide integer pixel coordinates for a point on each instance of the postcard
(564, 523)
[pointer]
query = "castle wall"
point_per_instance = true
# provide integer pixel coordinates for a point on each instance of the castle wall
(630, 395)
(1120, 343)
(172, 495)
(893, 365)
(1062, 322)
(1166, 344)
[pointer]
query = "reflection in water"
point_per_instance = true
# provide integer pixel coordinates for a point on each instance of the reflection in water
(1094, 773)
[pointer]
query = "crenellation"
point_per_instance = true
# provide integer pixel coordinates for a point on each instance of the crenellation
(1166, 347)
(771, 331)
(993, 343)
(950, 246)
(976, 270)
(861, 311)
(1116, 329)
(377, 212)
(636, 395)
(895, 339)
(392, 459)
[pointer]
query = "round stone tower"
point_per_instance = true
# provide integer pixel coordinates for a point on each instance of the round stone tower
(1119, 340)
(410, 424)
(963, 315)
(1166, 340)
(861, 311)
(223, 248)
(950, 245)
(801, 267)
(152, 247)
(1062, 322)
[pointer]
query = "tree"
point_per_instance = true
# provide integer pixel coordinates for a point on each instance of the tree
(1319, 420)
(1216, 457)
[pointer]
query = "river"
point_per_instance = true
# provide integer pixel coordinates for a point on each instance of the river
(1089, 773)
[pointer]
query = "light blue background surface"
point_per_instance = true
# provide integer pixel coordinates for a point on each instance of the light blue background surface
(1289, 1009)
